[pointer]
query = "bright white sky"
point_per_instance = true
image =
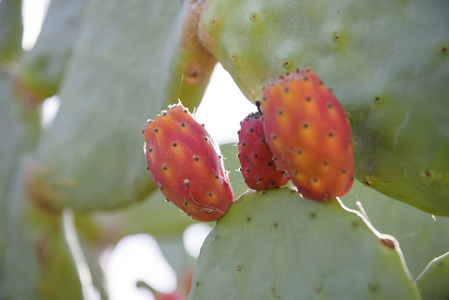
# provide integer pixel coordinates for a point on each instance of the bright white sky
(139, 257)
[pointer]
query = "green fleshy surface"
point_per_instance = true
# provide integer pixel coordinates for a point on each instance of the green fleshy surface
(432, 282)
(44, 66)
(119, 76)
(11, 30)
(278, 245)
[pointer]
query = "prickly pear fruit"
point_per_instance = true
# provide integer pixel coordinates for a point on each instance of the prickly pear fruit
(258, 168)
(184, 163)
(309, 134)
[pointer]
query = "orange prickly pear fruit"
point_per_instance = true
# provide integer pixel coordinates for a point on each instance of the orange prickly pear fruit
(309, 135)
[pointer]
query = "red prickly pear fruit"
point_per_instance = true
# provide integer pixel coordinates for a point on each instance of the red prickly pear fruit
(258, 168)
(184, 162)
(309, 134)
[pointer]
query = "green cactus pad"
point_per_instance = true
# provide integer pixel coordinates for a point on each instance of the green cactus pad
(44, 66)
(11, 30)
(421, 236)
(19, 132)
(433, 281)
(277, 245)
(387, 62)
(37, 261)
(119, 76)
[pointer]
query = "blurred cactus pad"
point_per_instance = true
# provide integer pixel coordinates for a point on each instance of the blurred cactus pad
(71, 189)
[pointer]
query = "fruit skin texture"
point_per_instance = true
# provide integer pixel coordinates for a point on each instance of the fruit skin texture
(258, 168)
(184, 163)
(309, 134)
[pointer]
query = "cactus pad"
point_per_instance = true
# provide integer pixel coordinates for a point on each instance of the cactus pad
(91, 155)
(277, 245)
(433, 281)
(387, 62)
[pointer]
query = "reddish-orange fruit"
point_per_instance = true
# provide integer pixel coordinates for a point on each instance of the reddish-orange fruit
(309, 135)
(258, 168)
(185, 165)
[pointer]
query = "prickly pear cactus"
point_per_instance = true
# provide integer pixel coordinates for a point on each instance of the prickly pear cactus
(277, 245)
(432, 282)
(393, 87)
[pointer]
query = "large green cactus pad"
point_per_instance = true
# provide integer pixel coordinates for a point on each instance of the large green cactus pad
(433, 281)
(119, 76)
(387, 62)
(277, 245)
